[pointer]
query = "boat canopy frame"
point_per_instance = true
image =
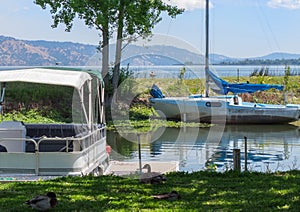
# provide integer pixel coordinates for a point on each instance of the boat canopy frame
(75, 78)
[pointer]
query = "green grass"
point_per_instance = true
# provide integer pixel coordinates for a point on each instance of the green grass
(175, 87)
(200, 191)
(149, 125)
(33, 116)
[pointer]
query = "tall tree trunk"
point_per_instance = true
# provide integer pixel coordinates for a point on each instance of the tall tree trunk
(116, 71)
(105, 54)
(105, 60)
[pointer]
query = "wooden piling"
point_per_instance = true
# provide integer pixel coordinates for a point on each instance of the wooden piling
(237, 160)
(184, 117)
(139, 150)
(246, 154)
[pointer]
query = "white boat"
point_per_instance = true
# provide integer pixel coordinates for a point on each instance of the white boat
(229, 109)
(76, 148)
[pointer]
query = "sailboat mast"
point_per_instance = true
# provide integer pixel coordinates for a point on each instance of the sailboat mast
(206, 48)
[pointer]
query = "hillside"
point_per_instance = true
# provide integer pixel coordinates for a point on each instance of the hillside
(14, 52)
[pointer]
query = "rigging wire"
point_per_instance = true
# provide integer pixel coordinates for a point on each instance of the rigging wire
(212, 41)
(167, 35)
(268, 25)
(201, 26)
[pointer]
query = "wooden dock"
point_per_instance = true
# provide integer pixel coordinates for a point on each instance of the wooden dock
(120, 168)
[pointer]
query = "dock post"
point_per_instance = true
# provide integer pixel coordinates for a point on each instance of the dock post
(139, 150)
(246, 154)
(237, 160)
(184, 117)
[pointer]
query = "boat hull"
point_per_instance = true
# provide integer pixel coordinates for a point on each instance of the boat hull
(218, 110)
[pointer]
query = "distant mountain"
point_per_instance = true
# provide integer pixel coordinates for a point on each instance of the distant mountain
(279, 56)
(217, 59)
(159, 55)
(14, 52)
(150, 60)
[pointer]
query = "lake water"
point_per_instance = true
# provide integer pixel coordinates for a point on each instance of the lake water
(269, 147)
(192, 72)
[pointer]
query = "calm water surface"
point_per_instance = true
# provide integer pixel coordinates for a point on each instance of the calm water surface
(270, 148)
(192, 72)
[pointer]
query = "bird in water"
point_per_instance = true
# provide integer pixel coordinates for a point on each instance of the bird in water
(43, 202)
(173, 195)
(151, 177)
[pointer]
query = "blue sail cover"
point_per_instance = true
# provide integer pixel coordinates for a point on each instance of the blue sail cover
(223, 87)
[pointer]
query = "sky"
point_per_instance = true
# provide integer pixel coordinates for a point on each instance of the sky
(238, 28)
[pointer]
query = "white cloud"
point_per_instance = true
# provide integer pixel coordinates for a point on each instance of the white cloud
(290, 4)
(187, 4)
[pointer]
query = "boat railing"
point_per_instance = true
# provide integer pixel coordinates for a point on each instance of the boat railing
(34, 162)
(80, 141)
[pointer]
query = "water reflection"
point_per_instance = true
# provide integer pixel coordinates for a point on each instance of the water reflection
(270, 147)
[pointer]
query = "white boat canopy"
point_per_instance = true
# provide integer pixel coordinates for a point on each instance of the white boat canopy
(74, 79)
(65, 77)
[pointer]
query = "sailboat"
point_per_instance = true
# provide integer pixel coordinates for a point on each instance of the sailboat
(223, 109)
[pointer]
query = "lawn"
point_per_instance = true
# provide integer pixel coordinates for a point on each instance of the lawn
(200, 191)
